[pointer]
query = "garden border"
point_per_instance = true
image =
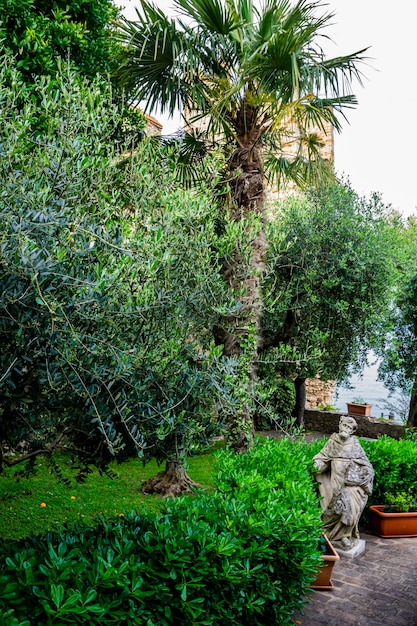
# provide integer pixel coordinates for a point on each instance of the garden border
(327, 422)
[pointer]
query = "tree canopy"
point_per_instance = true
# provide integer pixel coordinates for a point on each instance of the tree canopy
(247, 77)
(398, 367)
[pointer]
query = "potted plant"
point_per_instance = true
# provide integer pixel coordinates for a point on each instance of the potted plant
(396, 518)
(329, 557)
(359, 407)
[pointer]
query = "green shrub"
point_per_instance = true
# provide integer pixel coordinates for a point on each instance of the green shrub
(242, 556)
(402, 502)
(395, 465)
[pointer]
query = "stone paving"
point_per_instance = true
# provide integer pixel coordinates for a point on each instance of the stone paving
(378, 588)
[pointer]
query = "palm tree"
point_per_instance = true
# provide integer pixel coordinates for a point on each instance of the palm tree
(258, 84)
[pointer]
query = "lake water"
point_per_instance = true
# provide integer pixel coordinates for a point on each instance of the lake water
(373, 392)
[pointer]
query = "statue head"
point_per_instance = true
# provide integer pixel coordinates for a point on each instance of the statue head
(347, 426)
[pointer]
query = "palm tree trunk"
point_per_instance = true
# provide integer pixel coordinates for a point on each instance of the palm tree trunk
(241, 336)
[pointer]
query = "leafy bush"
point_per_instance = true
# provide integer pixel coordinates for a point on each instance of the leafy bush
(402, 502)
(395, 465)
(39, 31)
(242, 556)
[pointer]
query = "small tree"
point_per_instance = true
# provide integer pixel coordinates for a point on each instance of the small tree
(332, 270)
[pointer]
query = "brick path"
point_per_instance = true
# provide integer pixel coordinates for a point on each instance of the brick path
(378, 588)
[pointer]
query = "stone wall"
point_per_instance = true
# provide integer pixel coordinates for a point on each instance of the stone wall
(319, 392)
(327, 422)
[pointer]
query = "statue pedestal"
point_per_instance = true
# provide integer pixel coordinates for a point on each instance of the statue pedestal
(357, 550)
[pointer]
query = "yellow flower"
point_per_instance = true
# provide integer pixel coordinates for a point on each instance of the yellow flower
(121, 515)
(43, 505)
(73, 498)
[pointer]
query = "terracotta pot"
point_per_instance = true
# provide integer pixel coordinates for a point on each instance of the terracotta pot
(329, 558)
(359, 409)
(393, 524)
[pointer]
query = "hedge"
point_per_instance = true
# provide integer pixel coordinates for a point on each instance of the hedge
(243, 555)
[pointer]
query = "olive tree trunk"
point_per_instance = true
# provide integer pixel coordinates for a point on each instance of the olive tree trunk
(412, 410)
(173, 481)
(300, 400)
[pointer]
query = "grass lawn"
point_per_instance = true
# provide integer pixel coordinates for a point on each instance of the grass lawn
(22, 501)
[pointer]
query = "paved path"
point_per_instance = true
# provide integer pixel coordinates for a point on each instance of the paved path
(378, 588)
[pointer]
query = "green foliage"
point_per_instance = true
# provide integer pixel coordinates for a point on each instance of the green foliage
(398, 354)
(410, 434)
(402, 502)
(327, 407)
(395, 465)
(330, 281)
(245, 71)
(109, 285)
(242, 556)
(42, 35)
(38, 32)
(398, 368)
(275, 399)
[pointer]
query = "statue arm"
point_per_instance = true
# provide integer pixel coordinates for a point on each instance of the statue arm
(321, 462)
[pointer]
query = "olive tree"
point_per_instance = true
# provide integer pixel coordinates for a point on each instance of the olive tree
(108, 288)
(331, 276)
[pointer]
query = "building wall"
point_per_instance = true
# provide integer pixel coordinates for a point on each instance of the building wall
(153, 127)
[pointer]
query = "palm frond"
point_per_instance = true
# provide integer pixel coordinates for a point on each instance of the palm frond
(247, 74)
(338, 73)
(149, 61)
(311, 111)
(187, 155)
(213, 15)
(302, 171)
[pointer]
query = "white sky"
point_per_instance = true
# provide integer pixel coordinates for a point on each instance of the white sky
(376, 149)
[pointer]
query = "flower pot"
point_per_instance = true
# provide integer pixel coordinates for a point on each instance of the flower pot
(329, 558)
(359, 409)
(393, 524)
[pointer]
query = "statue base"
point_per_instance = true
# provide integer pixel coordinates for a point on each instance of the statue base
(354, 552)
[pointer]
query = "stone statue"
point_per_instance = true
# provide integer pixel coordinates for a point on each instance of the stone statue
(345, 478)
